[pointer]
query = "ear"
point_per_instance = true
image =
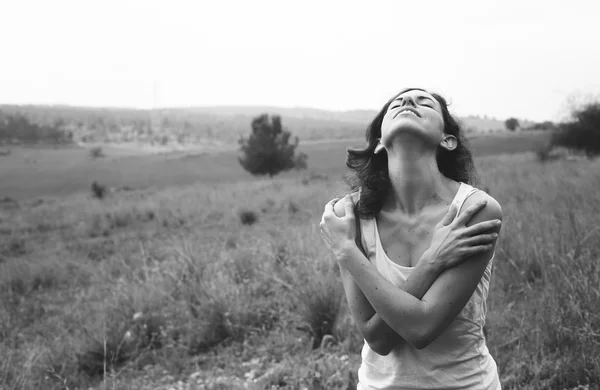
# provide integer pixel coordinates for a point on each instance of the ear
(449, 142)
(378, 148)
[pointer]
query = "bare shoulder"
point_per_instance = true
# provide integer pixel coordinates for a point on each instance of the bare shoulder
(492, 209)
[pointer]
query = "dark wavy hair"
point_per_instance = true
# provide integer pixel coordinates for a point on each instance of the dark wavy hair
(369, 171)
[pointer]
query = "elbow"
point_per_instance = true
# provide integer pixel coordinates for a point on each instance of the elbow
(380, 347)
(379, 342)
(384, 345)
(421, 339)
(424, 330)
(421, 342)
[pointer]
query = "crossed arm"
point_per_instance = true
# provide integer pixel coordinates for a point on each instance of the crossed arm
(376, 332)
(424, 305)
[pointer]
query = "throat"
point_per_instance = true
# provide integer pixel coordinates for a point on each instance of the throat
(416, 182)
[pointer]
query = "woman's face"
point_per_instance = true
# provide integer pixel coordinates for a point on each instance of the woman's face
(415, 111)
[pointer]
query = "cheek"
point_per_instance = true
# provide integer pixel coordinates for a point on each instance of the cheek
(385, 125)
(436, 122)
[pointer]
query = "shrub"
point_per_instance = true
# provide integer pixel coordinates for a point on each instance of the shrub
(511, 124)
(248, 217)
(293, 207)
(543, 151)
(9, 203)
(583, 132)
(97, 152)
(123, 339)
(99, 191)
(300, 161)
(319, 294)
(268, 150)
(16, 246)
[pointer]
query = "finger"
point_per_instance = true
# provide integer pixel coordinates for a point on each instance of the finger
(478, 250)
(483, 227)
(450, 214)
(349, 207)
(482, 239)
(470, 212)
(330, 204)
(334, 200)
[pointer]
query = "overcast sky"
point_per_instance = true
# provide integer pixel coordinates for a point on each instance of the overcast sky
(504, 58)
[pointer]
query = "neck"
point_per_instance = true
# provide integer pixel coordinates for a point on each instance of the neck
(415, 178)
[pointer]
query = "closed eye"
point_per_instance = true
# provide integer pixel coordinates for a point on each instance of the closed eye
(425, 101)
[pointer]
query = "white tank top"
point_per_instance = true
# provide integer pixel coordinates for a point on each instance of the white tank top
(457, 359)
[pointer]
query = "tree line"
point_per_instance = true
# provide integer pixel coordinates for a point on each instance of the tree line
(17, 129)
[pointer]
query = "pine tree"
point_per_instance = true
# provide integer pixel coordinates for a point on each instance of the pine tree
(268, 150)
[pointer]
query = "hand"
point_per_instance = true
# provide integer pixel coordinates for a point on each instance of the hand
(339, 233)
(454, 242)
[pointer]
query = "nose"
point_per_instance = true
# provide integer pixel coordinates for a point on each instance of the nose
(408, 100)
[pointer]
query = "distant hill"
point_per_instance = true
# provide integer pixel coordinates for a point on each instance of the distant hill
(216, 126)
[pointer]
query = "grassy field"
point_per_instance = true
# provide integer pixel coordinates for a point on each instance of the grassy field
(226, 284)
(31, 173)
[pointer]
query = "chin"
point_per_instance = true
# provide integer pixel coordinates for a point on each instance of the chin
(408, 127)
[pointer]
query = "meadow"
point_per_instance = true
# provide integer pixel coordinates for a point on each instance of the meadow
(202, 277)
(28, 174)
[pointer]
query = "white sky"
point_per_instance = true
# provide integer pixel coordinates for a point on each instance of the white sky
(520, 58)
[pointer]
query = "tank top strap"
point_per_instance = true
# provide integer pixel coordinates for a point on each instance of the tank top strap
(367, 233)
(464, 192)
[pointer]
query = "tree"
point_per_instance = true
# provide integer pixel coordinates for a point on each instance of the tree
(511, 124)
(583, 132)
(268, 150)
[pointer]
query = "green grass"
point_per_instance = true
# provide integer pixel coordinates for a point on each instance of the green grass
(147, 288)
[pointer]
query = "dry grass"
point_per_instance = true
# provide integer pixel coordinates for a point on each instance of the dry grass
(143, 289)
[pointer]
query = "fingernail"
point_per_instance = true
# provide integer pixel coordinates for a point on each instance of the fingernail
(484, 201)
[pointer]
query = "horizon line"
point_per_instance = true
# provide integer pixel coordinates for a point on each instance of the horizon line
(183, 107)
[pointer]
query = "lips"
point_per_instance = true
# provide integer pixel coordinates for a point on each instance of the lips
(408, 109)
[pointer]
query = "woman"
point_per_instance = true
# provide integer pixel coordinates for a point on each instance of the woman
(416, 259)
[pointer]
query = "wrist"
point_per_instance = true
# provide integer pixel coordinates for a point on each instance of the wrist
(432, 263)
(344, 250)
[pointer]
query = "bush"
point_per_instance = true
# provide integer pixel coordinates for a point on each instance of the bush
(97, 152)
(543, 151)
(268, 150)
(98, 190)
(511, 124)
(318, 293)
(122, 341)
(300, 161)
(583, 132)
(248, 217)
